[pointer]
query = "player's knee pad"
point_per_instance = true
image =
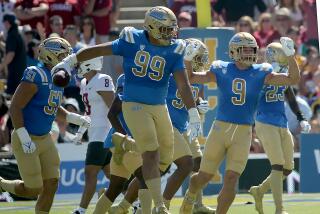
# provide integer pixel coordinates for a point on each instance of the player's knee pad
(277, 167)
(287, 172)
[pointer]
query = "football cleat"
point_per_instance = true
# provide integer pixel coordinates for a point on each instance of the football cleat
(160, 210)
(202, 209)
(282, 212)
(187, 204)
(258, 196)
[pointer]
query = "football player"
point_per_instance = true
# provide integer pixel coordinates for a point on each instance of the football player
(272, 129)
(97, 93)
(185, 149)
(34, 107)
(122, 165)
(239, 84)
(150, 56)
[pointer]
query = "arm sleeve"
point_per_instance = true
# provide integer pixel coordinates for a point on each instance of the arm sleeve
(293, 104)
(105, 83)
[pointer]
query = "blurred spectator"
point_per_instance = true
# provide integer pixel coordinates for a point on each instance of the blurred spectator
(68, 10)
(112, 65)
(265, 33)
(27, 34)
(6, 7)
(56, 25)
(115, 13)
(30, 12)
(33, 53)
(70, 33)
(310, 21)
(245, 24)
(100, 12)
(184, 20)
(189, 6)
(4, 115)
(283, 21)
(293, 6)
(233, 10)
(15, 57)
(88, 31)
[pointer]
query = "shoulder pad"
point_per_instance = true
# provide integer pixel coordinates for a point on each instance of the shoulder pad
(180, 46)
(266, 67)
(127, 34)
(217, 64)
(33, 71)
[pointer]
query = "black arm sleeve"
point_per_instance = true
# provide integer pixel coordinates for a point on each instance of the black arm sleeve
(291, 97)
(115, 110)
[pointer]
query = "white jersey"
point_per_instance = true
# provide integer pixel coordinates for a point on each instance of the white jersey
(95, 107)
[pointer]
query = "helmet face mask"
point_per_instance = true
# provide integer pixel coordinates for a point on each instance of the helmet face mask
(243, 48)
(53, 50)
(161, 23)
(276, 57)
(202, 59)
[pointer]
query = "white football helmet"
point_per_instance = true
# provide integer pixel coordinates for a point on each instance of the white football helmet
(89, 65)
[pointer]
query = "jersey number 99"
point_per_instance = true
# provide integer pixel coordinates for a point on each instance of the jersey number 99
(142, 60)
(239, 89)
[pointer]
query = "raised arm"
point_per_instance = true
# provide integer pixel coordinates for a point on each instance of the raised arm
(104, 49)
(291, 78)
(293, 75)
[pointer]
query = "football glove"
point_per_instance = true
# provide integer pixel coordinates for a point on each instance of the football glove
(305, 126)
(27, 145)
(79, 120)
(67, 64)
(79, 134)
(191, 51)
(203, 106)
(287, 46)
(194, 128)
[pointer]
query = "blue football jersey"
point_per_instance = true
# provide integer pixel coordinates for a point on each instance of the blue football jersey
(41, 111)
(238, 90)
(108, 142)
(271, 108)
(147, 67)
(177, 110)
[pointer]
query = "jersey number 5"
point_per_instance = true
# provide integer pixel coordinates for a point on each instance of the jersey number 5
(239, 89)
(54, 102)
(142, 60)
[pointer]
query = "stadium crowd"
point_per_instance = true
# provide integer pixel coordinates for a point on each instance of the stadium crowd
(24, 23)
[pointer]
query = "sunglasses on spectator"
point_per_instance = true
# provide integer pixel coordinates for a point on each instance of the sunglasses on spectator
(184, 20)
(243, 24)
(281, 19)
(57, 24)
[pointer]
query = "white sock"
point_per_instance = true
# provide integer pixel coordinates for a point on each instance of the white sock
(82, 210)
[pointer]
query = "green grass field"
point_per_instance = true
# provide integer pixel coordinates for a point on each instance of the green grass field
(295, 204)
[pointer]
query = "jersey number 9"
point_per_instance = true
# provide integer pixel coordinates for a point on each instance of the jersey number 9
(239, 89)
(142, 60)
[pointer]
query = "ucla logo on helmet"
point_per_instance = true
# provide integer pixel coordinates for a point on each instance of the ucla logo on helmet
(157, 15)
(54, 46)
(237, 39)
